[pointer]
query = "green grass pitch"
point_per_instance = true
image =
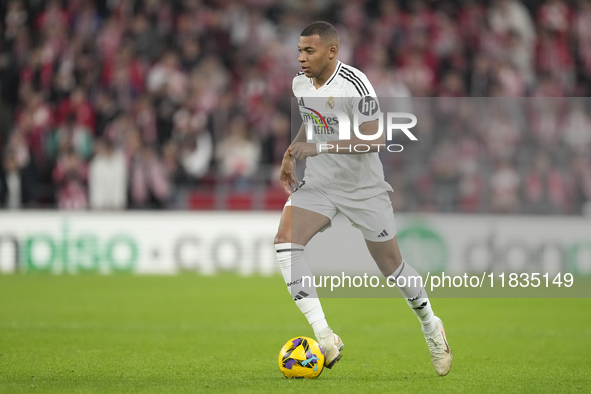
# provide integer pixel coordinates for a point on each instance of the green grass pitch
(187, 334)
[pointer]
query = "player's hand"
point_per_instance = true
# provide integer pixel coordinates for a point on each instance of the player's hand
(301, 150)
(287, 176)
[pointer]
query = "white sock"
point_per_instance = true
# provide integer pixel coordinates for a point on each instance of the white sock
(415, 295)
(293, 267)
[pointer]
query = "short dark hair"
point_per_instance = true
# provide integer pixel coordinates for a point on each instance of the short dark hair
(325, 30)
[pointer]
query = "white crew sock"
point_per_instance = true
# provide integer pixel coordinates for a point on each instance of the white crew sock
(415, 295)
(293, 267)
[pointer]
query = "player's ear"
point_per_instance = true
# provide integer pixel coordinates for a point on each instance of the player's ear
(332, 51)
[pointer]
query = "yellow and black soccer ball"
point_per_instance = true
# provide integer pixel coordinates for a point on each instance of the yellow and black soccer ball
(301, 357)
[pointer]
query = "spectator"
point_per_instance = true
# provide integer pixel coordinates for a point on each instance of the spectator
(577, 128)
(196, 144)
(52, 16)
(167, 79)
(417, 75)
(580, 184)
(145, 38)
(582, 37)
(502, 134)
(172, 164)
(545, 190)
(445, 176)
(70, 135)
(237, 155)
(521, 59)
(504, 188)
(6, 119)
(471, 17)
(480, 76)
(555, 15)
(109, 39)
(509, 81)
(70, 175)
(250, 26)
(190, 54)
(145, 119)
(79, 108)
(34, 122)
(106, 111)
(507, 15)
(387, 83)
(471, 184)
(119, 130)
(553, 57)
(107, 177)
(452, 85)
(86, 21)
(16, 183)
(149, 182)
(545, 121)
(16, 17)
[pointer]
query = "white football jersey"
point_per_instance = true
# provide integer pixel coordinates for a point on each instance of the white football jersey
(357, 175)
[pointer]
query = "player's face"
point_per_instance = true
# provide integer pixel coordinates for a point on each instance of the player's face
(315, 55)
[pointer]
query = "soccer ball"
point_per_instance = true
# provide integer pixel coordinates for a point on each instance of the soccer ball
(301, 357)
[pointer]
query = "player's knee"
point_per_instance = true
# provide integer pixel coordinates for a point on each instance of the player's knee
(389, 265)
(282, 237)
(386, 272)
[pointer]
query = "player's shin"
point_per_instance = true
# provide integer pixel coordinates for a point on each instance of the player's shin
(300, 283)
(411, 287)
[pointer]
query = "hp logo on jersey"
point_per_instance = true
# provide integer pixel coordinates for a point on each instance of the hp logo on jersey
(368, 106)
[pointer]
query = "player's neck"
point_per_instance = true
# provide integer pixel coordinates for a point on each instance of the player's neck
(320, 80)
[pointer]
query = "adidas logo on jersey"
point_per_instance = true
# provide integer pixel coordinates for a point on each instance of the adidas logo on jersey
(300, 295)
(383, 234)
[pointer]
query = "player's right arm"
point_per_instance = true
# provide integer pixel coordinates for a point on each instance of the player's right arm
(286, 175)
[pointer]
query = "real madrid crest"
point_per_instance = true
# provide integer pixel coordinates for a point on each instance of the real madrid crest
(330, 103)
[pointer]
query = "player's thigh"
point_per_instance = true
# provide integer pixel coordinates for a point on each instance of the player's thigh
(373, 216)
(308, 211)
(386, 254)
(299, 225)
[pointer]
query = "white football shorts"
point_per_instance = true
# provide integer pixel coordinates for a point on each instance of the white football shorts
(374, 216)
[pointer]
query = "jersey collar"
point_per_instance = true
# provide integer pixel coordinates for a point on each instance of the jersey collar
(334, 74)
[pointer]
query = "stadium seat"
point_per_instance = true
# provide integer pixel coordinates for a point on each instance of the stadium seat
(275, 199)
(204, 200)
(239, 201)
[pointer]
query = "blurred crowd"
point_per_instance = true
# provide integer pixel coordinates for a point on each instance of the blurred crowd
(493, 154)
(115, 104)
